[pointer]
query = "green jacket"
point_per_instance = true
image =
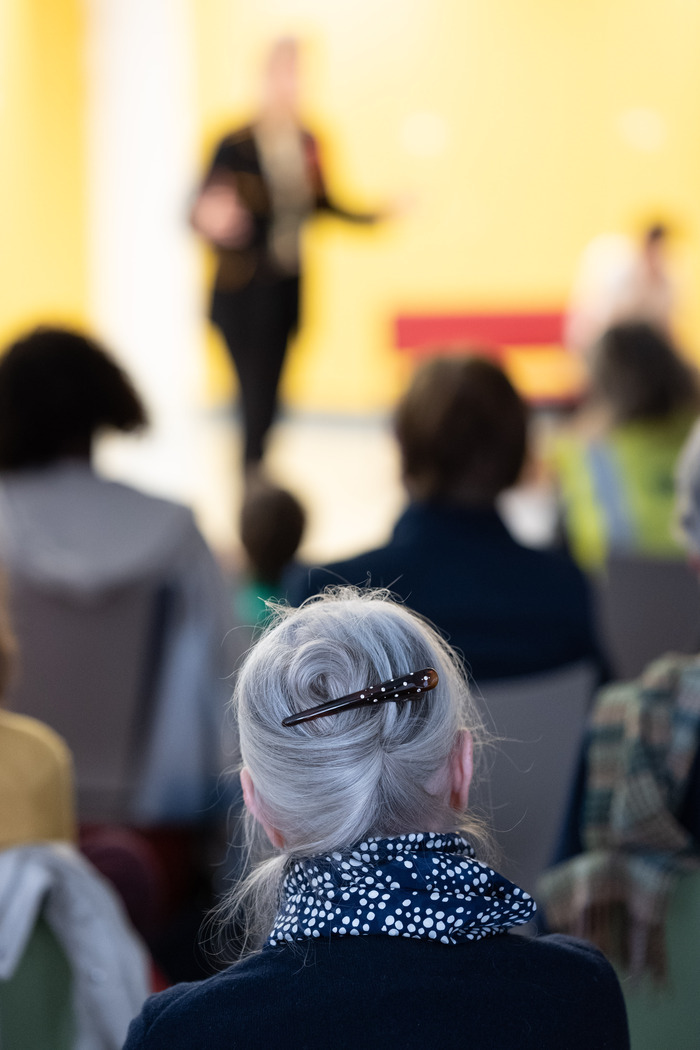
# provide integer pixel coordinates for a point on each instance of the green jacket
(618, 491)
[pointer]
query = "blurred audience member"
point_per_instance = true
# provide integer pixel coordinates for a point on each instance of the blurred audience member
(621, 280)
(462, 432)
(72, 973)
(640, 818)
(272, 526)
(75, 537)
(120, 613)
(615, 466)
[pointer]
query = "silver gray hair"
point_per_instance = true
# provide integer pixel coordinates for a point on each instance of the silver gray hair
(380, 771)
(688, 490)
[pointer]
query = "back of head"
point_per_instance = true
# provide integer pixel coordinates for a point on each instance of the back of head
(656, 233)
(638, 374)
(328, 783)
(462, 430)
(272, 525)
(57, 390)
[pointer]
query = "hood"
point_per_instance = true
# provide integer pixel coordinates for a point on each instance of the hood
(68, 529)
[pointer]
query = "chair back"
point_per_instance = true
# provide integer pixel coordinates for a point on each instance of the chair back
(36, 1002)
(539, 722)
(646, 607)
(84, 669)
(670, 1016)
(70, 965)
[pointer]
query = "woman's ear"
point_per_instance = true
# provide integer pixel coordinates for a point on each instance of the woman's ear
(252, 804)
(461, 770)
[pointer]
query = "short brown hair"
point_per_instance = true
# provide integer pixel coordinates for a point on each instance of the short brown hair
(638, 374)
(462, 429)
(272, 525)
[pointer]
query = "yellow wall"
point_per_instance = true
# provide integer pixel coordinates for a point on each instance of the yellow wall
(42, 172)
(524, 128)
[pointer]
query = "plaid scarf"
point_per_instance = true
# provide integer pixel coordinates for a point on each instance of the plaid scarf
(642, 743)
(420, 885)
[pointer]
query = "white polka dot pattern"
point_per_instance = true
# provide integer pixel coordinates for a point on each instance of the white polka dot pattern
(420, 885)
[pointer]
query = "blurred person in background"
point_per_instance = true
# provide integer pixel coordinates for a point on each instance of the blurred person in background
(120, 613)
(264, 182)
(272, 527)
(633, 885)
(462, 431)
(621, 280)
(373, 920)
(72, 971)
(614, 466)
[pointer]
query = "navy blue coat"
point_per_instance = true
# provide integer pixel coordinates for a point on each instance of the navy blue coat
(509, 609)
(378, 992)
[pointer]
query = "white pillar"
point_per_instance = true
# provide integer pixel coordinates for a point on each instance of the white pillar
(145, 295)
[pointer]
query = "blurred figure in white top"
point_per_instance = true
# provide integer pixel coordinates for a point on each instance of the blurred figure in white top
(621, 279)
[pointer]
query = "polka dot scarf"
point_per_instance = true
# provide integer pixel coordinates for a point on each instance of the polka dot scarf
(423, 885)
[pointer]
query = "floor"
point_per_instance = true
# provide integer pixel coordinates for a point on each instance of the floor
(346, 471)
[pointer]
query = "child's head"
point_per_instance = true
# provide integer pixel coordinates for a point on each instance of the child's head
(272, 525)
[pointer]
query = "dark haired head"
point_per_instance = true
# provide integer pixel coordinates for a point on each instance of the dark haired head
(57, 390)
(656, 233)
(272, 524)
(637, 373)
(462, 429)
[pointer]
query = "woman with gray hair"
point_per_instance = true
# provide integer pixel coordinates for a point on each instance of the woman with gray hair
(375, 923)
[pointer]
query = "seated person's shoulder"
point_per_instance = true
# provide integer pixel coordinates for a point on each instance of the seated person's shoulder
(556, 568)
(373, 568)
(161, 1016)
(571, 955)
(581, 966)
(179, 1016)
(36, 783)
(33, 754)
(567, 983)
(35, 738)
(661, 681)
(555, 952)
